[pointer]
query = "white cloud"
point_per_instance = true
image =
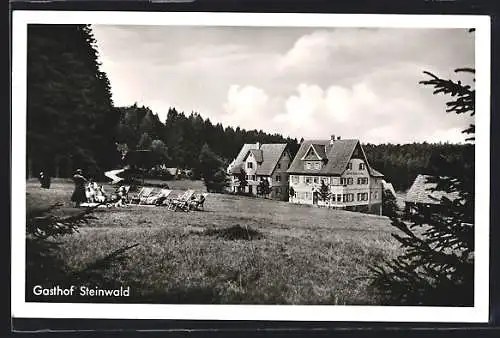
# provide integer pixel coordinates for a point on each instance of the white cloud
(246, 106)
(308, 83)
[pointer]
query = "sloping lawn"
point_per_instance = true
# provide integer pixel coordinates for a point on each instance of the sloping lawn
(297, 254)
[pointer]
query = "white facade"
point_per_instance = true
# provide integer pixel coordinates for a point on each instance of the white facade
(355, 187)
(277, 175)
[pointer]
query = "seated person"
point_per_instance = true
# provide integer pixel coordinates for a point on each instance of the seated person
(89, 193)
(100, 196)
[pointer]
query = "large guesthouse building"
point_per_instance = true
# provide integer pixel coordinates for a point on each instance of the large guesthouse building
(342, 166)
(261, 162)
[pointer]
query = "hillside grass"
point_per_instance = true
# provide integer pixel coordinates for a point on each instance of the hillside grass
(296, 254)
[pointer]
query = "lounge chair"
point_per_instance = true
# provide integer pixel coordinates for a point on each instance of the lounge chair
(198, 202)
(157, 198)
(142, 195)
(181, 202)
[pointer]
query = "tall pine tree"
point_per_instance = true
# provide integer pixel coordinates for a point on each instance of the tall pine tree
(71, 118)
(437, 265)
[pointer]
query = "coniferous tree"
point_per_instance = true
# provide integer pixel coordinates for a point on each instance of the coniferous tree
(437, 265)
(389, 204)
(264, 187)
(324, 192)
(242, 180)
(70, 117)
(211, 169)
(144, 142)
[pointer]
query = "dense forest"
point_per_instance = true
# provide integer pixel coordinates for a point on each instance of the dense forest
(72, 121)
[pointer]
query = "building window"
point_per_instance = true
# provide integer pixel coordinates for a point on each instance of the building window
(307, 179)
(278, 166)
(362, 196)
(249, 165)
(315, 180)
(339, 198)
(350, 180)
(343, 181)
(248, 177)
(350, 197)
(361, 166)
(317, 166)
(362, 180)
(376, 194)
(253, 177)
(308, 165)
(295, 179)
(349, 166)
(278, 178)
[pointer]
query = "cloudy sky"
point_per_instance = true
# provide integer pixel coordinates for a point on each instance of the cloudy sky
(301, 82)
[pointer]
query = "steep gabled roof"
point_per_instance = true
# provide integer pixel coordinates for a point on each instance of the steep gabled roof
(320, 150)
(236, 168)
(337, 155)
(315, 152)
(257, 154)
(271, 154)
(244, 151)
(267, 157)
(421, 192)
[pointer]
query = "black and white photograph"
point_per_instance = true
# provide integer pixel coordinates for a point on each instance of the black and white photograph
(332, 165)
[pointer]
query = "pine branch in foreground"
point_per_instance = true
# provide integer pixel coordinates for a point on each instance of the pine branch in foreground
(436, 267)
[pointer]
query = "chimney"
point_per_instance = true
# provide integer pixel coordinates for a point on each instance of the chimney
(332, 139)
(338, 137)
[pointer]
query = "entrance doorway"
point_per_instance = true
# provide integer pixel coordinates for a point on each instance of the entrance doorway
(315, 197)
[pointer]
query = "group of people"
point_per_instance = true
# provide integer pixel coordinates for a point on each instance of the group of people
(87, 190)
(94, 192)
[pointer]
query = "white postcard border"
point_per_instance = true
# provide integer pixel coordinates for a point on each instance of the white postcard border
(477, 314)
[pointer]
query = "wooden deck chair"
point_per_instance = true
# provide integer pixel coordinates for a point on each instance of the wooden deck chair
(198, 202)
(137, 198)
(146, 193)
(157, 197)
(181, 202)
(164, 197)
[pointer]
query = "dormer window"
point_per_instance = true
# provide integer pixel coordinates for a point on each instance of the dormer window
(361, 166)
(349, 166)
(249, 165)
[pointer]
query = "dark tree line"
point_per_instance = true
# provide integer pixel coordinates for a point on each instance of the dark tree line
(401, 163)
(70, 113)
(184, 135)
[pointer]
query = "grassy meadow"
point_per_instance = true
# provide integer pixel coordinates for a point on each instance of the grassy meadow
(300, 255)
